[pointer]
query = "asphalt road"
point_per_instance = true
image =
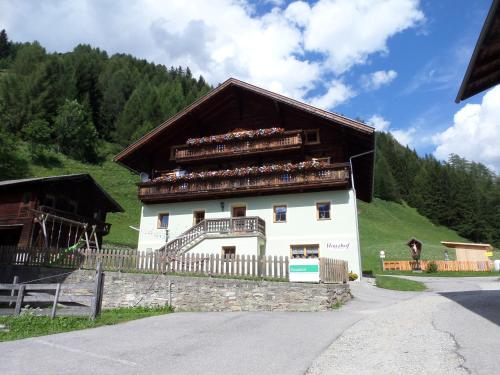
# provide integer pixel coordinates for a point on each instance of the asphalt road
(459, 327)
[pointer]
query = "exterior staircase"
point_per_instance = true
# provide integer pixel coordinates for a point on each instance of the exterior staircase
(246, 225)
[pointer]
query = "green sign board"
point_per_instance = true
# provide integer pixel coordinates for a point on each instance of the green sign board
(304, 268)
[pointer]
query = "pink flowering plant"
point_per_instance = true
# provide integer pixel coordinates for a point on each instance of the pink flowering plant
(235, 136)
(245, 171)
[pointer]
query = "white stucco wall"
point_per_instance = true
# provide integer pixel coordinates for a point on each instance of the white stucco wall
(337, 237)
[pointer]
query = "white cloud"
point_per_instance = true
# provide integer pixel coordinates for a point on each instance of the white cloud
(348, 31)
(226, 38)
(475, 133)
(379, 123)
(336, 94)
(375, 80)
(405, 136)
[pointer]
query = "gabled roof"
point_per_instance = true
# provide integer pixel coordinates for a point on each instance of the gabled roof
(232, 82)
(483, 71)
(76, 178)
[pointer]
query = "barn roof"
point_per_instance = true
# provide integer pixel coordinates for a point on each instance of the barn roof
(85, 178)
(483, 71)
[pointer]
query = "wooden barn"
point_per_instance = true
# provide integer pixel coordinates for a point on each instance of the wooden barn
(56, 212)
(483, 71)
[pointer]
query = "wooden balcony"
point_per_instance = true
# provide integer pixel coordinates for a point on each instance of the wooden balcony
(290, 140)
(327, 177)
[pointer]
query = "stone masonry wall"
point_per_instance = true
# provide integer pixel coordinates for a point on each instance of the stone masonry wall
(205, 294)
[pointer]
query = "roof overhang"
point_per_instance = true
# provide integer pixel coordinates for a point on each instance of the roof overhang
(465, 245)
(114, 206)
(483, 71)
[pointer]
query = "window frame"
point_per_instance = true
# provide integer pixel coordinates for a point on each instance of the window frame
(225, 248)
(309, 142)
(304, 250)
(329, 211)
(239, 205)
(275, 206)
(159, 220)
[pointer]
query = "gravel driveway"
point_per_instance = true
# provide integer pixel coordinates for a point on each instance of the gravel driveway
(451, 329)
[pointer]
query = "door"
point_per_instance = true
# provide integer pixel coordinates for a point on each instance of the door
(239, 211)
(198, 216)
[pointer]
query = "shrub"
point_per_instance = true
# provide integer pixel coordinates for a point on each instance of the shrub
(353, 276)
(432, 267)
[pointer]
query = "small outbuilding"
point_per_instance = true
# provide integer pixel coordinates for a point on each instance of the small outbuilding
(54, 212)
(469, 252)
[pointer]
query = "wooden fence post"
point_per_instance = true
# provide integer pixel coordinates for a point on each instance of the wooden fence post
(97, 298)
(13, 292)
(56, 298)
(20, 297)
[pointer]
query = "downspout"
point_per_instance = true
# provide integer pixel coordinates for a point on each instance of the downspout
(356, 208)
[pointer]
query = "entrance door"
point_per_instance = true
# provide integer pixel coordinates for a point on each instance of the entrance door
(198, 216)
(239, 211)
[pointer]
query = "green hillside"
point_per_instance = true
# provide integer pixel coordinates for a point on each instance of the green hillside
(387, 226)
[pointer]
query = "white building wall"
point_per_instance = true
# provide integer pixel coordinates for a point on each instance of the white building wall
(337, 237)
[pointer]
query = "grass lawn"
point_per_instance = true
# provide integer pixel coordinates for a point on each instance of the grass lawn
(396, 283)
(24, 326)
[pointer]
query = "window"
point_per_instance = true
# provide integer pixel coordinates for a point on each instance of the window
(163, 221)
(26, 198)
(279, 214)
(239, 211)
(311, 137)
(304, 251)
(228, 251)
(323, 211)
(198, 216)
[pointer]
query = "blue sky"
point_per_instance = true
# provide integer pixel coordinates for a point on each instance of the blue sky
(394, 63)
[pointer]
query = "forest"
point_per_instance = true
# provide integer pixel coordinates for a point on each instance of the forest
(88, 105)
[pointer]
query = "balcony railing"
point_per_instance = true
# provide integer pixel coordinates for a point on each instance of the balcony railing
(331, 175)
(289, 140)
(101, 226)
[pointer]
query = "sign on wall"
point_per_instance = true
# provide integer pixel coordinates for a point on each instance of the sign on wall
(339, 245)
(304, 270)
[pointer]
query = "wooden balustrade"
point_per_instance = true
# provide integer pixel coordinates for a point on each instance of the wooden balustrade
(333, 174)
(247, 224)
(290, 140)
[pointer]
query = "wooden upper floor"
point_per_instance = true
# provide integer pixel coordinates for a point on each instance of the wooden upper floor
(240, 140)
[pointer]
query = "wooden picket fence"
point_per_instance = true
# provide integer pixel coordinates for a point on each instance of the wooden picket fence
(131, 260)
(333, 271)
(443, 265)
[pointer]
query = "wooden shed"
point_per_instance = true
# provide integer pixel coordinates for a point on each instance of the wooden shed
(55, 211)
(469, 252)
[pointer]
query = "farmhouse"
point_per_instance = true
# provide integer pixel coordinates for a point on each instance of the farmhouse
(246, 171)
(55, 212)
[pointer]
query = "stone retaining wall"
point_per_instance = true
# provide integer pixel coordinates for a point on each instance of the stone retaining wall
(207, 294)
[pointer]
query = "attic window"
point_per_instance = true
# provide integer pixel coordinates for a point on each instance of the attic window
(311, 137)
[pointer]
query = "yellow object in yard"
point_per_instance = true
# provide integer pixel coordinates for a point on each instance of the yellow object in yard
(489, 253)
